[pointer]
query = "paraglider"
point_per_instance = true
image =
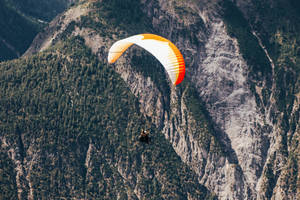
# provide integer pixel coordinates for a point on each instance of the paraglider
(144, 136)
(161, 48)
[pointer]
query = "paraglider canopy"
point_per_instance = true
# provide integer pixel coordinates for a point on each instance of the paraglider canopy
(161, 48)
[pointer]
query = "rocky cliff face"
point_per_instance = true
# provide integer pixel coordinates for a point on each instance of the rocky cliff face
(233, 122)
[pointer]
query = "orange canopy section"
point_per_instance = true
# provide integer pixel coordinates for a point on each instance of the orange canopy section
(161, 48)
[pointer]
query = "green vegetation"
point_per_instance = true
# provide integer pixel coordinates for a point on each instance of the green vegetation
(73, 119)
(204, 126)
(143, 62)
(56, 104)
(119, 14)
(238, 27)
(290, 173)
(115, 18)
(7, 178)
(278, 27)
(293, 172)
(271, 180)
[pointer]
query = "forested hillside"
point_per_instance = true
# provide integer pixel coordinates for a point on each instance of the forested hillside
(68, 119)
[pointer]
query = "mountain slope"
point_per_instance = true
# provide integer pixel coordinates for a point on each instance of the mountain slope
(71, 126)
(277, 26)
(233, 122)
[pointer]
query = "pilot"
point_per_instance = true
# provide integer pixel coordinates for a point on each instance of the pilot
(144, 136)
